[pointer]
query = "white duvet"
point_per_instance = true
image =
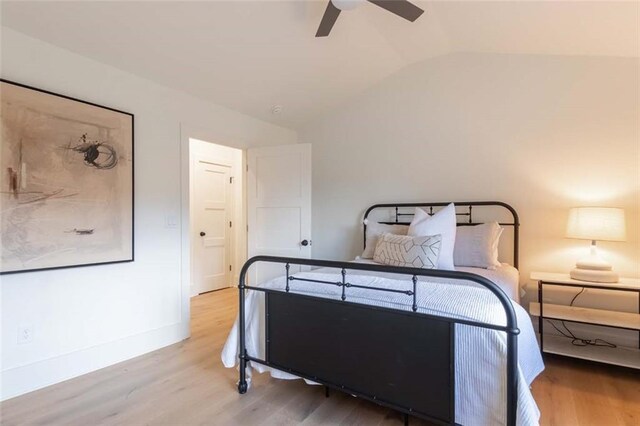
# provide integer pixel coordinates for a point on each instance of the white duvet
(480, 353)
(505, 276)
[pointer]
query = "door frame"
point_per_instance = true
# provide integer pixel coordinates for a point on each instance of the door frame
(187, 132)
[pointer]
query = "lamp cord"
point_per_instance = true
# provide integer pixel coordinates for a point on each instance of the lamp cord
(578, 341)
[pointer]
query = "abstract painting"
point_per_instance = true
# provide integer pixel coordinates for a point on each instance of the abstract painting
(66, 181)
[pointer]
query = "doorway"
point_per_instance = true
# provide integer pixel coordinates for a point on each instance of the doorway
(217, 215)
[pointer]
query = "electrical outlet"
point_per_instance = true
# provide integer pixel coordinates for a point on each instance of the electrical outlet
(25, 334)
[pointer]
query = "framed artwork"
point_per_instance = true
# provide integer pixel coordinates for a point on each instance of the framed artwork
(66, 181)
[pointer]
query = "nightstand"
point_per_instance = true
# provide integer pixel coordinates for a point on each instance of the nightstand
(627, 357)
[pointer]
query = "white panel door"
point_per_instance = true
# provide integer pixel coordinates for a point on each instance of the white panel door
(212, 226)
(279, 205)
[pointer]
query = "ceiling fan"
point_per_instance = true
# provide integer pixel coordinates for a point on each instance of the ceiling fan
(402, 8)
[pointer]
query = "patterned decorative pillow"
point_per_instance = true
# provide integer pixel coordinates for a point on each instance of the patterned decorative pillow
(413, 252)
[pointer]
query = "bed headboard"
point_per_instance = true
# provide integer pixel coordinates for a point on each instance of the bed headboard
(402, 213)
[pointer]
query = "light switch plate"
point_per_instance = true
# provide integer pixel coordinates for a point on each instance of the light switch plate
(171, 221)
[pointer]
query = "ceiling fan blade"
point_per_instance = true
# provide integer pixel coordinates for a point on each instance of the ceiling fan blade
(328, 19)
(402, 8)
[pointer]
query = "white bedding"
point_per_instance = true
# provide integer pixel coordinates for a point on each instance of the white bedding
(505, 276)
(480, 353)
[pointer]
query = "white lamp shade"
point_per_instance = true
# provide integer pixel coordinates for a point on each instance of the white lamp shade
(596, 223)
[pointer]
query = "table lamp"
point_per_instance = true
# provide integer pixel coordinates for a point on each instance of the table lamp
(595, 224)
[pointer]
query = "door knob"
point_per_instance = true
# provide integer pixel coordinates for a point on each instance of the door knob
(304, 242)
(202, 234)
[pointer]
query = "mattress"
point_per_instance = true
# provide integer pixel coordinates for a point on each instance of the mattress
(480, 353)
(505, 276)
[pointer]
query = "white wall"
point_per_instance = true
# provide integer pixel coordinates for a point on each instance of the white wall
(543, 133)
(91, 317)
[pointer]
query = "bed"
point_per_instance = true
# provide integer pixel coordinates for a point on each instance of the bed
(428, 343)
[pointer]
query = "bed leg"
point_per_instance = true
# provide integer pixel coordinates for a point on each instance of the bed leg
(242, 383)
(406, 419)
(326, 391)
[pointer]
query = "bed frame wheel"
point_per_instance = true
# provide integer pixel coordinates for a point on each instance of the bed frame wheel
(242, 388)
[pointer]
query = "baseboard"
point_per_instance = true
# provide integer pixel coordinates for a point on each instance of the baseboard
(28, 378)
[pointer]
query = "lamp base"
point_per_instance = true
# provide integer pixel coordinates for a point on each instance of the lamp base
(593, 275)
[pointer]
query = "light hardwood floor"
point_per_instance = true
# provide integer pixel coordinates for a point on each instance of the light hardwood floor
(186, 384)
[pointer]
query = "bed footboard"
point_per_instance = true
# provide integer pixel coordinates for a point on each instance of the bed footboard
(404, 360)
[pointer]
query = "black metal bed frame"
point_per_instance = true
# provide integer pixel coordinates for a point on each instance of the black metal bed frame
(343, 345)
(401, 217)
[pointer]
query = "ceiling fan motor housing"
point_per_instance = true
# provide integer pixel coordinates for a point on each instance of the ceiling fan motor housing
(347, 4)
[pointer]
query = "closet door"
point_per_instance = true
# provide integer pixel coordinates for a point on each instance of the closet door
(212, 224)
(279, 205)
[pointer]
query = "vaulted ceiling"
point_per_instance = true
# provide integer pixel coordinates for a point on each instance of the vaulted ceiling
(252, 55)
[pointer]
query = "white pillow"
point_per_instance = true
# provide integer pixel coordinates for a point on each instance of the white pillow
(412, 252)
(477, 246)
(442, 223)
(374, 230)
